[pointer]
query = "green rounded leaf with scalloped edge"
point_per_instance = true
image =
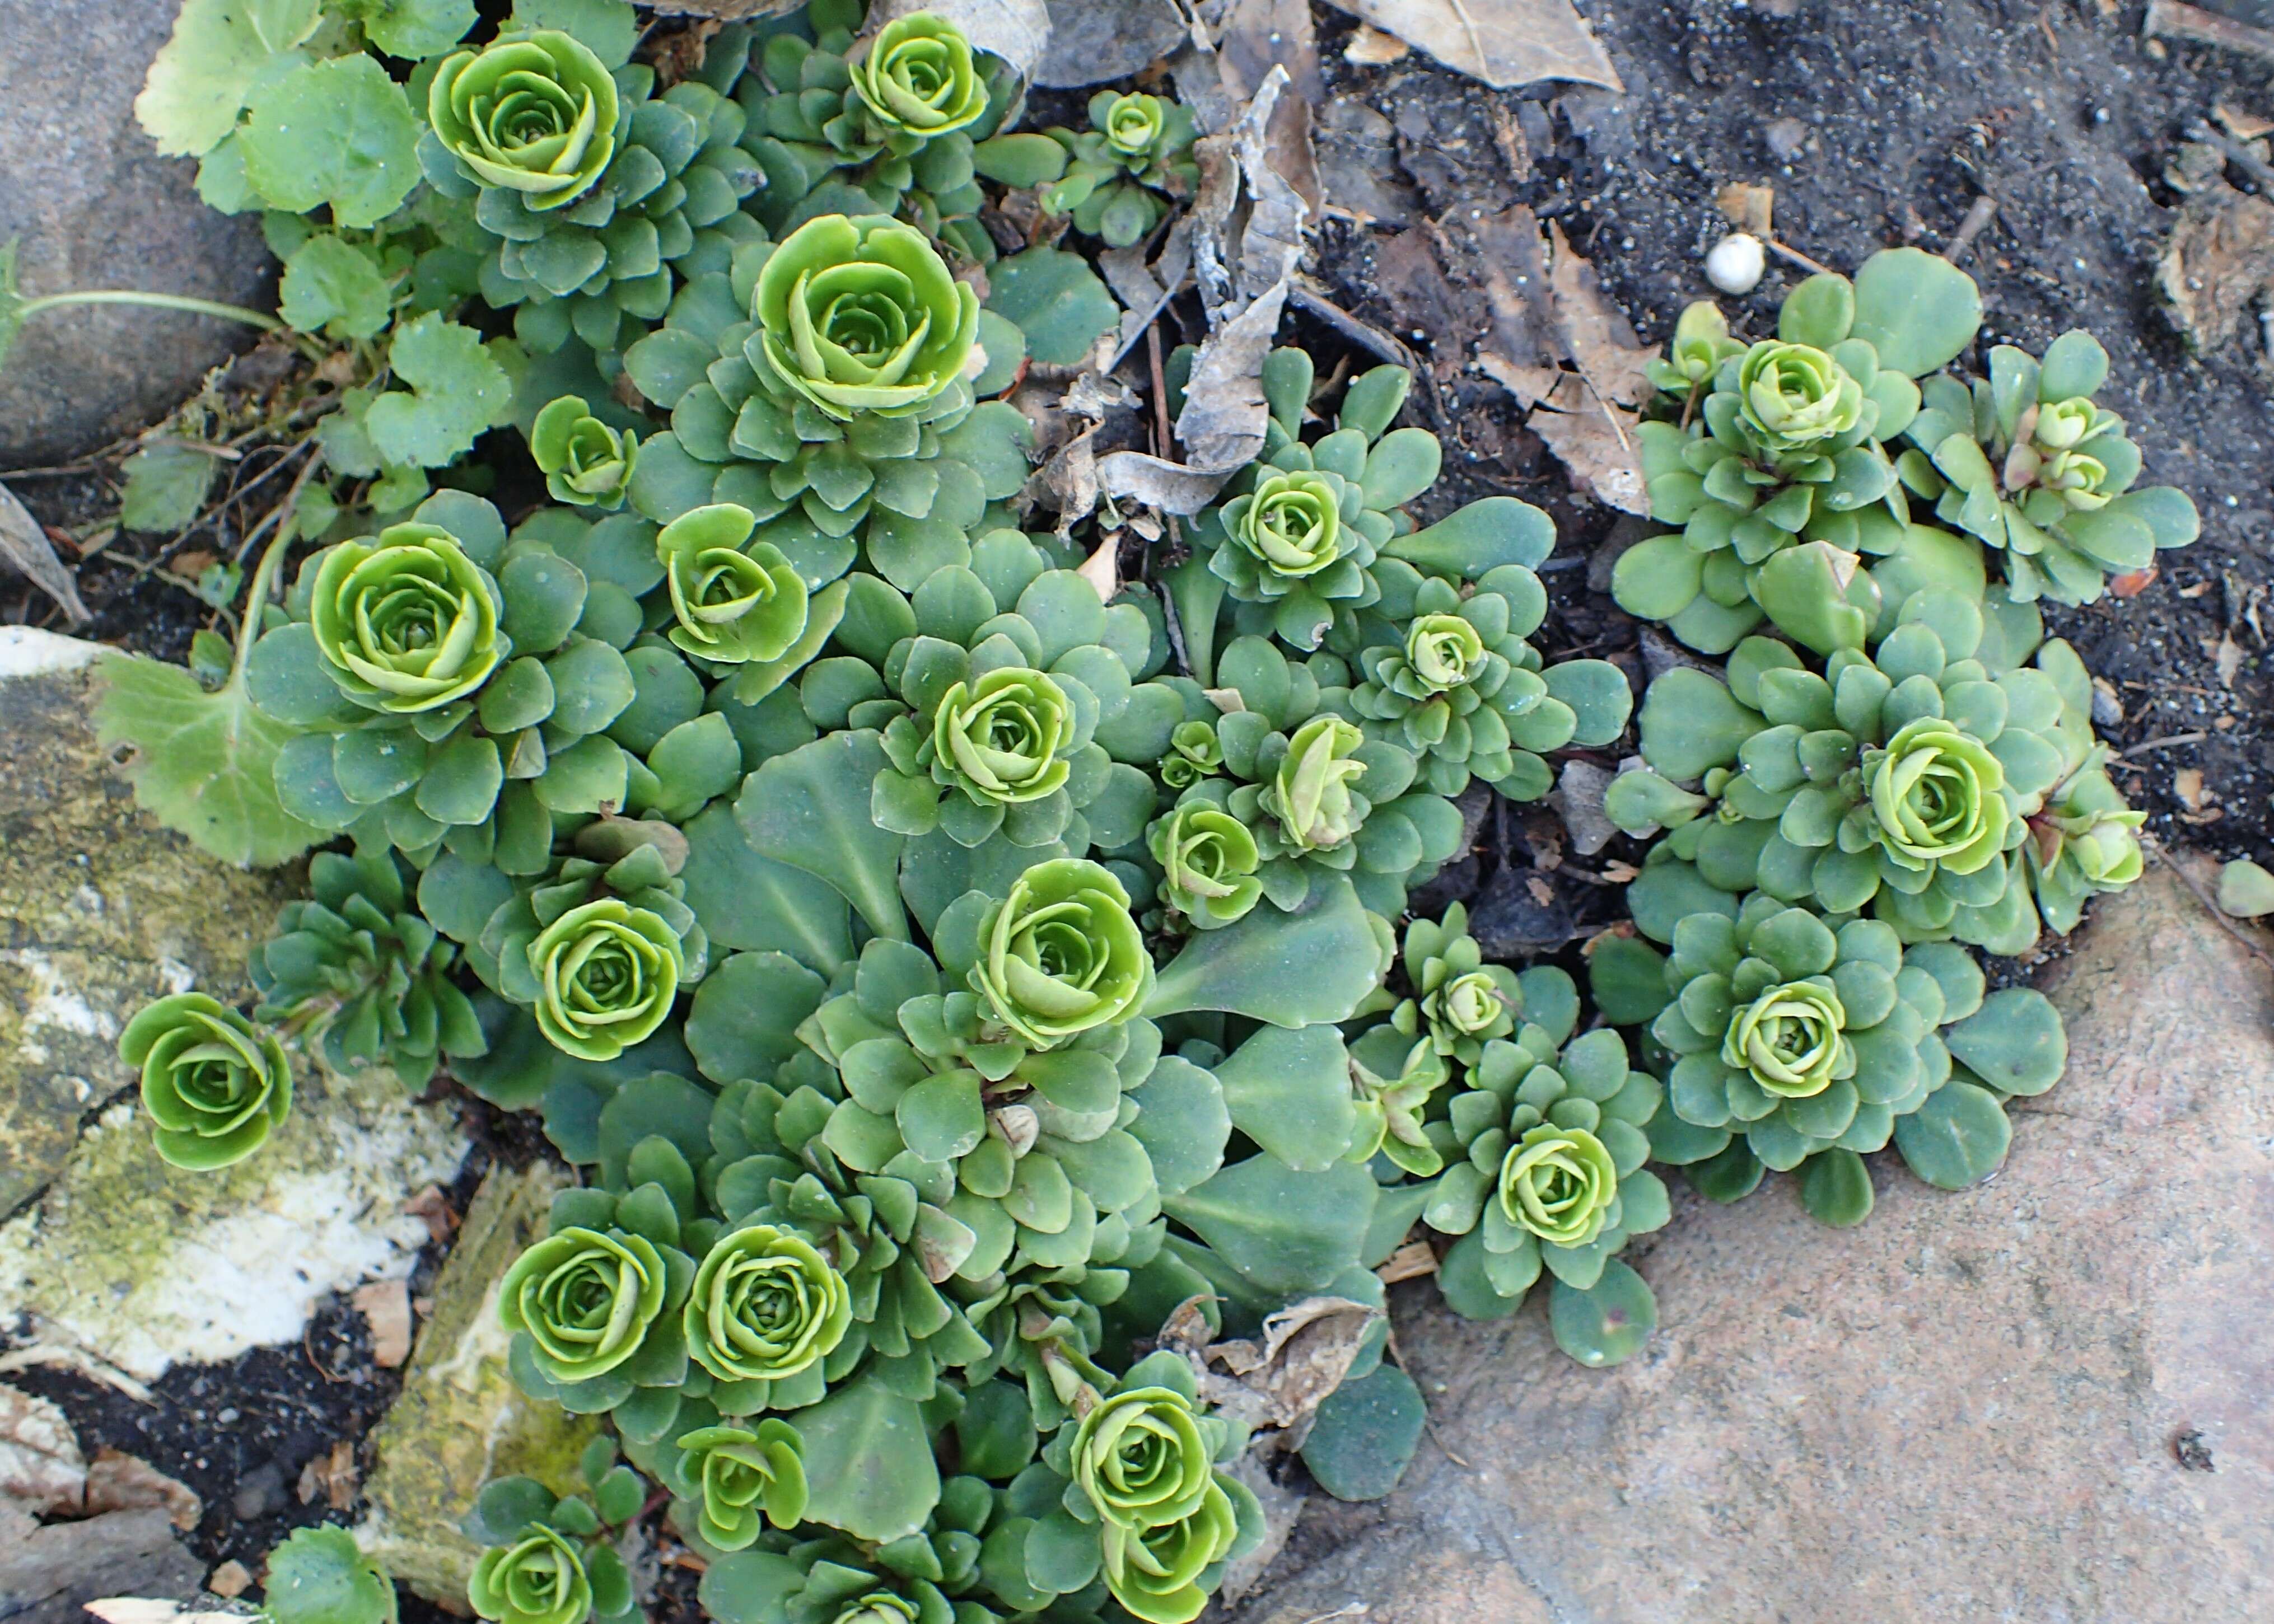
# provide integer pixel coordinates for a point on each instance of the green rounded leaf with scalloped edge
(321, 1577)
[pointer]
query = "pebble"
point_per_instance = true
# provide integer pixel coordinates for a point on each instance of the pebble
(1736, 263)
(258, 1492)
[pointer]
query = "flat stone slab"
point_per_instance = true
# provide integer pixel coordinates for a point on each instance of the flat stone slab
(2042, 1399)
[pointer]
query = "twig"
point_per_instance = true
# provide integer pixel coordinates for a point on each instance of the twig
(1794, 254)
(2240, 157)
(2156, 850)
(1978, 216)
(76, 1359)
(1476, 40)
(1355, 1609)
(2193, 24)
(1163, 448)
(292, 496)
(2148, 746)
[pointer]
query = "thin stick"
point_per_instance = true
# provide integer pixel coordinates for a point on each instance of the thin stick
(1476, 40)
(154, 301)
(1794, 254)
(1160, 389)
(2156, 850)
(1978, 216)
(2148, 746)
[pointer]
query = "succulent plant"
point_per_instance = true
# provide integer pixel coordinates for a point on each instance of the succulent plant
(1457, 1002)
(2083, 841)
(1545, 1146)
(1060, 954)
(1905, 781)
(1207, 860)
(1305, 537)
(357, 966)
(538, 1579)
(730, 604)
(765, 1306)
(584, 460)
(549, 1559)
(1759, 450)
(742, 1480)
(586, 1300)
(1122, 174)
(881, 126)
(1395, 1078)
(1194, 754)
(588, 195)
(214, 1085)
(2027, 461)
(407, 623)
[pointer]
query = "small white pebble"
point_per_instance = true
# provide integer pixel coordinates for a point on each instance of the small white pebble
(1736, 263)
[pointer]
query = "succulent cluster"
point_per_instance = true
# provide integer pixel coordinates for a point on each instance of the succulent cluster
(962, 980)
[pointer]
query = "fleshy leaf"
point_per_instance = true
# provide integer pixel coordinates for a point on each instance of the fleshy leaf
(870, 1463)
(1365, 1433)
(809, 809)
(1286, 1231)
(1288, 969)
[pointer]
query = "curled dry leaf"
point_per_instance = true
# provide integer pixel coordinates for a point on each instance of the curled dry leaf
(2217, 264)
(1578, 797)
(1371, 48)
(1411, 1262)
(230, 1580)
(41, 1467)
(1305, 1350)
(385, 1305)
(1503, 42)
(120, 1482)
(25, 548)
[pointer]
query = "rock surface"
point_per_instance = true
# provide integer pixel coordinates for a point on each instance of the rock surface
(2042, 1399)
(96, 207)
(99, 910)
(104, 1245)
(459, 1420)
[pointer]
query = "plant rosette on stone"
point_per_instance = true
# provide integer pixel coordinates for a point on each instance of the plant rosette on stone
(1454, 681)
(1544, 1147)
(1318, 797)
(2026, 461)
(1756, 448)
(881, 125)
(455, 685)
(214, 1085)
(1801, 1041)
(1301, 538)
(357, 966)
(588, 195)
(551, 1560)
(1905, 782)
(823, 385)
(1120, 176)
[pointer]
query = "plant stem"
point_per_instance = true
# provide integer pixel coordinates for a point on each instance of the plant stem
(155, 301)
(249, 628)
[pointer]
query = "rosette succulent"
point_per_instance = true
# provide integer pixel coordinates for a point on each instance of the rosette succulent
(1448, 676)
(1194, 754)
(1761, 449)
(587, 195)
(884, 125)
(731, 601)
(1060, 954)
(538, 1579)
(2027, 462)
(453, 685)
(1545, 1147)
(1904, 782)
(584, 461)
(2085, 840)
(1156, 1571)
(1142, 1459)
(1394, 1078)
(1457, 1002)
(766, 1306)
(214, 1085)
(1122, 174)
(1207, 860)
(741, 1480)
(861, 315)
(586, 1300)
(1305, 537)
(1009, 699)
(358, 965)
(607, 975)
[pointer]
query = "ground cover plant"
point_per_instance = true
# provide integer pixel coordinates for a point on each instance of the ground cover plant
(949, 962)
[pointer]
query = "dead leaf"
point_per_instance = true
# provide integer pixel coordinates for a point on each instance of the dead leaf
(41, 1467)
(1103, 568)
(1621, 873)
(332, 1476)
(2187, 784)
(2228, 658)
(120, 1482)
(230, 1580)
(2217, 264)
(1255, 36)
(385, 1305)
(24, 547)
(1747, 208)
(1411, 1262)
(1595, 447)
(1578, 798)
(155, 1610)
(1017, 31)
(1503, 42)
(2132, 583)
(432, 1208)
(1371, 48)
(1305, 1350)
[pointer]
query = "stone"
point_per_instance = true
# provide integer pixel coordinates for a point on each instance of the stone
(2042, 1398)
(96, 207)
(459, 1420)
(48, 1573)
(109, 1251)
(100, 910)
(1093, 41)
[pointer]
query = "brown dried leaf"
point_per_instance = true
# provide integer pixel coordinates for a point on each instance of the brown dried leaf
(2132, 583)
(332, 1476)
(25, 548)
(1371, 48)
(230, 1580)
(431, 1206)
(1305, 1350)
(2217, 264)
(1747, 208)
(120, 1482)
(41, 1467)
(385, 1305)
(1103, 568)
(2187, 784)
(1411, 1262)
(2228, 658)
(1503, 42)
(1595, 441)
